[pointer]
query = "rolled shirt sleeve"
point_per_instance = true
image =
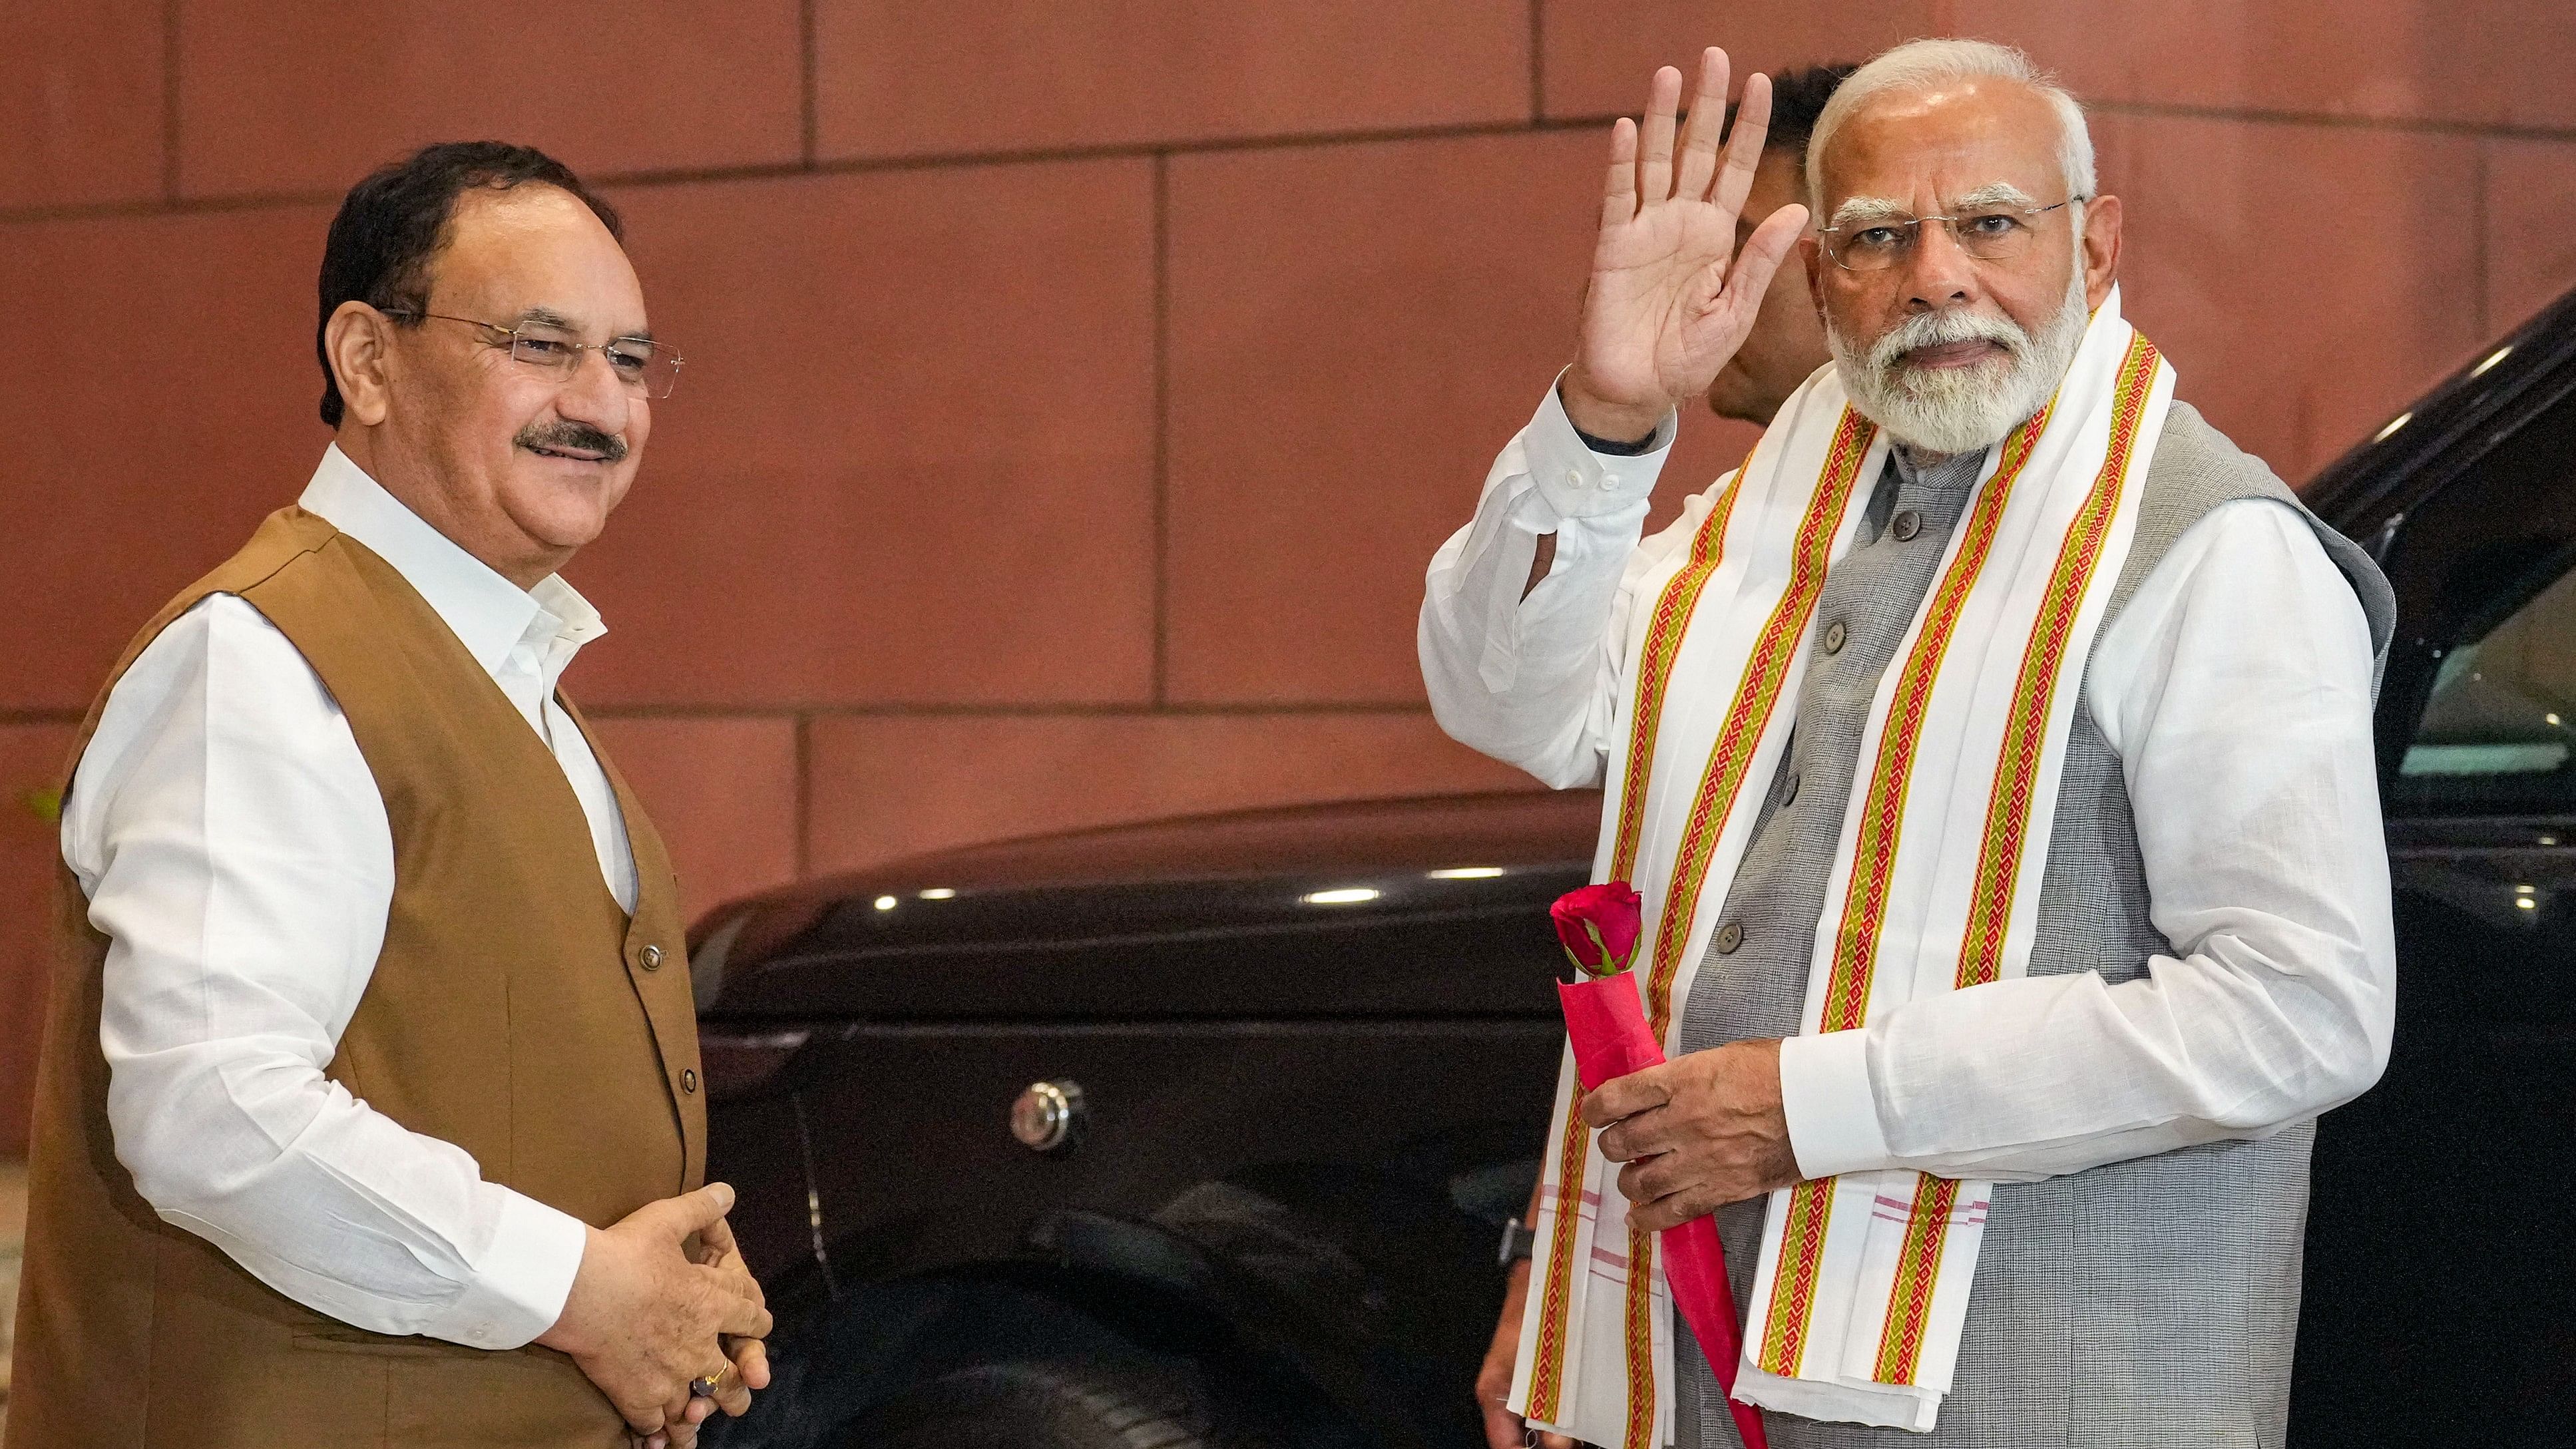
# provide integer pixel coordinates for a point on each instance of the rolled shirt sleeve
(2236, 689)
(234, 849)
(1527, 680)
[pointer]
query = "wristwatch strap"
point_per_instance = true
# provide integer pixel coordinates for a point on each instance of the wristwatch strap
(1518, 1242)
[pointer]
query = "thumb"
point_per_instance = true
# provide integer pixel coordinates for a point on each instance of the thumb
(692, 1212)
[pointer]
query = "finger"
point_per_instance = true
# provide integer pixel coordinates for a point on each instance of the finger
(1655, 166)
(1764, 253)
(1625, 1097)
(740, 1316)
(1646, 1181)
(1502, 1427)
(701, 1410)
(643, 1418)
(1744, 145)
(1619, 198)
(1699, 135)
(1643, 1135)
(690, 1212)
(751, 1360)
(734, 1399)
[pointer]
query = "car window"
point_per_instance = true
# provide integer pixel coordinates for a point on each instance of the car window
(2499, 733)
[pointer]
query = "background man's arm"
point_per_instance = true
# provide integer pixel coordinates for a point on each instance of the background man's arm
(2236, 688)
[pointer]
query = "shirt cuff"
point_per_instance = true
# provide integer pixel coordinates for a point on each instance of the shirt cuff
(1832, 1114)
(1580, 483)
(525, 1277)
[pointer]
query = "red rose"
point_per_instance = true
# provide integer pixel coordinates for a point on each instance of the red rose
(1598, 927)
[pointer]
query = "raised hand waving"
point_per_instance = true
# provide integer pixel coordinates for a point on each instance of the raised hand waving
(1670, 300)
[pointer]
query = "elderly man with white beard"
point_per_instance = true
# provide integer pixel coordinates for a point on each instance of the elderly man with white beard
(1992, 753)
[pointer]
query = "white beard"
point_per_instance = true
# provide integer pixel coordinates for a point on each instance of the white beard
(1961, 409)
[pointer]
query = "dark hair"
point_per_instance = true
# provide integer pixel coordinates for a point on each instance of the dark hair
(1797, 100)
(391, 224)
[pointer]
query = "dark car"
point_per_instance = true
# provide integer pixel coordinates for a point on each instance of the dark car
(1206, 1132)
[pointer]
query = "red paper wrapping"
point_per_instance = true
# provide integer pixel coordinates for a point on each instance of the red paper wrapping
(1607, 1025)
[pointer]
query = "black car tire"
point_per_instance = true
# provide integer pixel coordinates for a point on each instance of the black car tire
(1051, 1405)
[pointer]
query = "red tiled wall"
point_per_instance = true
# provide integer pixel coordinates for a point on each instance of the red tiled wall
(1077, 388)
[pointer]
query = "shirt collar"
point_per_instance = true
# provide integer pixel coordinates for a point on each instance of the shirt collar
(1955, 473)
(489, 614)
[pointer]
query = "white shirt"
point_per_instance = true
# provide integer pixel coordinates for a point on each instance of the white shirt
(235, 850)
(2235, 688)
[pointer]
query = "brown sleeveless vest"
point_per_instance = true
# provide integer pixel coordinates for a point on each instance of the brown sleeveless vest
(514, 1011)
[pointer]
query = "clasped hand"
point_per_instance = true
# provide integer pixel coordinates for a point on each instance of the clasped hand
(650, 1311)
(1696, 1133)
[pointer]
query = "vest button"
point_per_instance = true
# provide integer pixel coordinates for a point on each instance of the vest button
(1729, 936)
(689, 1080)
(1908, 524)
(650, 958)
(1835, 634)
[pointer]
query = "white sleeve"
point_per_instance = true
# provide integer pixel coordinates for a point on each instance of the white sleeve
(1530, 681)
(2236, 689)
(236, 852)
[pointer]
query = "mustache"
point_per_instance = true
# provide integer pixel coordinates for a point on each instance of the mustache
(1935, 329)
(565, 433)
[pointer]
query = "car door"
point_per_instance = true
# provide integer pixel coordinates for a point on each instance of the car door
(2441, 1285)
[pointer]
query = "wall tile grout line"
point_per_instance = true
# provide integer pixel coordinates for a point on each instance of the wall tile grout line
(858, 166)
(809, 65)
(2479, 238)
(1222, 145)
(170, 100)
(801, 857)
(1162, 404)
(1538, 61)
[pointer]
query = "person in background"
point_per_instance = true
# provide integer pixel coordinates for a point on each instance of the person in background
(1992, 751)
(1787, 343)
(368, 1110)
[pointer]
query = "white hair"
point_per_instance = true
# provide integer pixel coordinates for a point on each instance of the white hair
(1922, 64)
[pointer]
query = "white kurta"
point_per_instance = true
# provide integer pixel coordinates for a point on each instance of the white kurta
(235, 850)
(2252, 778)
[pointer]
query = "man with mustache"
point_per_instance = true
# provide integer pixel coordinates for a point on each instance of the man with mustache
(369, 1104)
(1992, 751)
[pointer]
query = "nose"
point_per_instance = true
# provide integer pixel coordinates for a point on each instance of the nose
(1938, 275)
(593, 394)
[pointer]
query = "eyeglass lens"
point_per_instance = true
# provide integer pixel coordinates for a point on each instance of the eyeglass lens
(1988, 236)
(643, 365)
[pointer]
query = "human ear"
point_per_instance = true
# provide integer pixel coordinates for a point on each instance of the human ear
(356, 340)
(1812, 253)
(2101, 248)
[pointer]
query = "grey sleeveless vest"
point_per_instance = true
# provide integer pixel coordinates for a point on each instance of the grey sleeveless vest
(2146, 1302)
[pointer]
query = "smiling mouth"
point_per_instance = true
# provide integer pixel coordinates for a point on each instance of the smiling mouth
(570, 455)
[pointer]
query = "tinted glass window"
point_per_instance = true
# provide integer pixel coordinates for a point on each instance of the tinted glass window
(2499, 734)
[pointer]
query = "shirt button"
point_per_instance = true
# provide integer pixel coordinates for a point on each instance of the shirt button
(1788, 791)
(1908, 524)
(1574, 478)
(1729, 936)
(1835, 634)
(650, 958)
(689, 1080)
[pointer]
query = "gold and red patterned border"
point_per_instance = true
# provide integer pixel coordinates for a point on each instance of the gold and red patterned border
(1719, 783)
(1654, 674)
(1793, 1286)
(1882, 818)
(2008, 811)
(2026, 731)
(1748, 714)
